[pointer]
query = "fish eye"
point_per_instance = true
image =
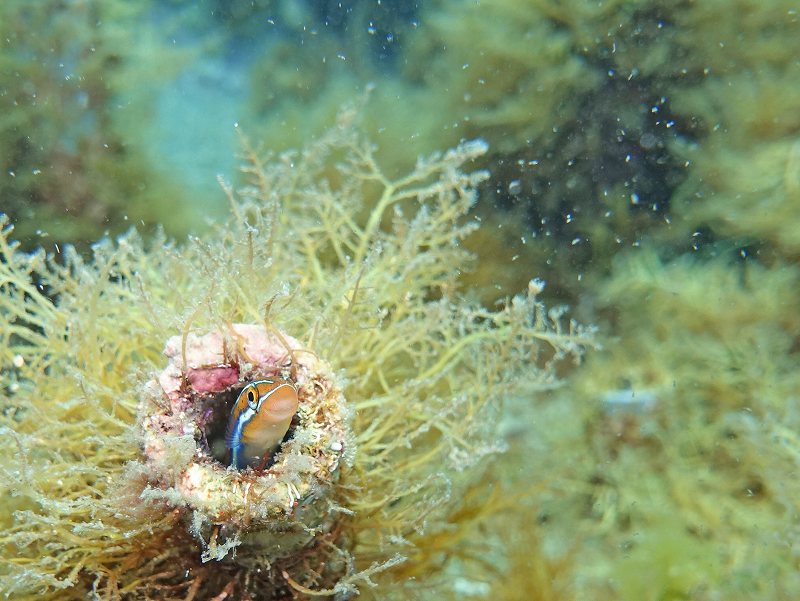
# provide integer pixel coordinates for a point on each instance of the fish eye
(251, 397)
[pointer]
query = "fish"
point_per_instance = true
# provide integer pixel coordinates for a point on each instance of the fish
(259, 420)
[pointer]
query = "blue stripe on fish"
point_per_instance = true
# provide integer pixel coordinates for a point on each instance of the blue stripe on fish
(233, 439)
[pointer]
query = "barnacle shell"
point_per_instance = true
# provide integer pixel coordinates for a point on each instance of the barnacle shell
(281, 508)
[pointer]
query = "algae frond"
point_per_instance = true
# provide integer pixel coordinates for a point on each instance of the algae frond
(363, 271)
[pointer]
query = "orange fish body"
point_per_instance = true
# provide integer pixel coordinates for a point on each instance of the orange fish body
(259, 420)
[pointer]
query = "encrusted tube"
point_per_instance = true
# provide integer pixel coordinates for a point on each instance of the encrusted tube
(272, 511)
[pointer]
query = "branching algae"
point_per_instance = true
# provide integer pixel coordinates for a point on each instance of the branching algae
(116, 480)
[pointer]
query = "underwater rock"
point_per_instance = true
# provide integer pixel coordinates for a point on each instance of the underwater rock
(274, 510)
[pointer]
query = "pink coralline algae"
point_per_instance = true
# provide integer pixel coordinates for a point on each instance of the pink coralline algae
(208, 358)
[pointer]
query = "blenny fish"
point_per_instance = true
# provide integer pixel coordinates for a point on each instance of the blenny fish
(259, 420)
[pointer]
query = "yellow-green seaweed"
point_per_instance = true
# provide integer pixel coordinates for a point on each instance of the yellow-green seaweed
(666, 470)
(363, 270)
(663, 466)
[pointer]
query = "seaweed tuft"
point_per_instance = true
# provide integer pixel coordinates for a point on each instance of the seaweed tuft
(339, 263)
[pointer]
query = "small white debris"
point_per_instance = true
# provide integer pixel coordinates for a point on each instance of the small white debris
(628, 400)
(471, 588)
(535, 286)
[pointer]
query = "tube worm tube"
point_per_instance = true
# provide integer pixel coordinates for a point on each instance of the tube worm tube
(184, 416)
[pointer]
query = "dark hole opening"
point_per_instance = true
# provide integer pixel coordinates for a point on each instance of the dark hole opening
(215, 422)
